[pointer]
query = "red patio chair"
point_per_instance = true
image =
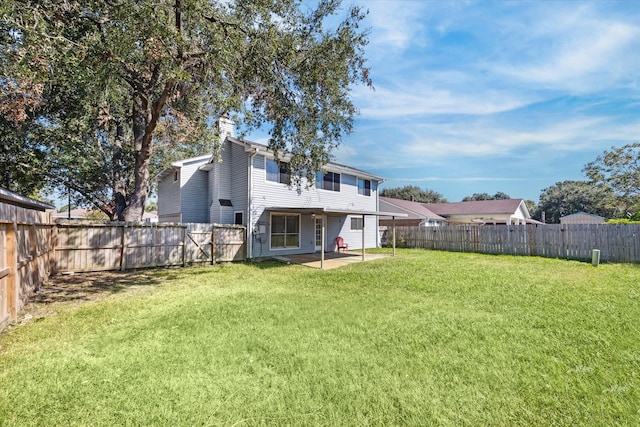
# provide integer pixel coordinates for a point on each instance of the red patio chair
(341, 244)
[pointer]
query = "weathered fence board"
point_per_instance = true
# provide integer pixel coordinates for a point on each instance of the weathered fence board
(25, 255)
(616, 242)
(120, 246)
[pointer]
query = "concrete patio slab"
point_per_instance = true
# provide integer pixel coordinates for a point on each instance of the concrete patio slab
(331, 260)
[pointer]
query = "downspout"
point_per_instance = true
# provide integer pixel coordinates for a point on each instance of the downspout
(249, 199)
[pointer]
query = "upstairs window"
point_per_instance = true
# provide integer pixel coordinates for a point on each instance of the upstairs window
(278, 172)
(328, 181)
(364, 187)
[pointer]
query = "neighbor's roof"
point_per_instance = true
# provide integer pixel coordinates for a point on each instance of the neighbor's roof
(582, 213)
(414, 207)
(477, 207)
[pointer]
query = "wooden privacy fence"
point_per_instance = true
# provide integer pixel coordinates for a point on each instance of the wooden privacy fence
(616, 242)
(120, 246)
(26, 247)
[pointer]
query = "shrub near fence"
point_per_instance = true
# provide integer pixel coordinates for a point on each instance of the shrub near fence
(122, 246)
(617, 243)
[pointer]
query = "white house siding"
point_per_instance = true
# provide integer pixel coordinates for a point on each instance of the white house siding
(270, 194)
(169, 199)
(228, 180)
(239, 164)
(194, 192)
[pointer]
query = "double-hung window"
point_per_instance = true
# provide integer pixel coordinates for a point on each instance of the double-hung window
(285, 231)
(364, 187)
(278, 172)
(357, 223)
(328, 181)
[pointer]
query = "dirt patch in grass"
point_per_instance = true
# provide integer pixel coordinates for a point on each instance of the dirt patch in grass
(70, 290)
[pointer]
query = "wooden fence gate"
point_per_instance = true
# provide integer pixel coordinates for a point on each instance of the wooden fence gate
(121, 246)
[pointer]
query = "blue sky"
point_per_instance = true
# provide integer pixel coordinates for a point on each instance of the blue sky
(480, 96)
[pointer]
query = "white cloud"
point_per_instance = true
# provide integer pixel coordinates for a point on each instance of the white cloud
(396, 24)
(579, 52)
(420, 98)
(482, 139)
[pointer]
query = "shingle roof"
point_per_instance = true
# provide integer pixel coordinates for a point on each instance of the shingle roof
(477, 207)
(582, 213)
(415, 207)
(348, 169)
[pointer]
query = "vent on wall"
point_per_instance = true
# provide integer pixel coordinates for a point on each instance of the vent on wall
(225, 202)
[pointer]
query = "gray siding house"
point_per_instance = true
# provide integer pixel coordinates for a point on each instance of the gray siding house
(245, 185)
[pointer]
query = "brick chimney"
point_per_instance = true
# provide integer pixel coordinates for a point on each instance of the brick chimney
(226, 127)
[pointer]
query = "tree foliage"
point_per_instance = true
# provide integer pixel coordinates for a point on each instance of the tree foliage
(486, 196)
(104, 93)
(619, 169)
(412, 192)
(569, 197)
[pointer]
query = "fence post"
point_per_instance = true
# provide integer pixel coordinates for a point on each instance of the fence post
(123, 248)
(12, 278)
(214, 243)
(393, 234)
(184, 245)
(33, 252)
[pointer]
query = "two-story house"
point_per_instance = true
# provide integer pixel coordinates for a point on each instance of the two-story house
(246, 185)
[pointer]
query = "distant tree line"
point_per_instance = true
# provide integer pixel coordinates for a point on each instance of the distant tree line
(612, 190)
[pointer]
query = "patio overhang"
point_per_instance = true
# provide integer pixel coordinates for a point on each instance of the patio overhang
(336, 212)
(325, 212)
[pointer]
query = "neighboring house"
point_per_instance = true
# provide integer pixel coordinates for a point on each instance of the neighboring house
(510, 211)
(245, 185)
(75, 214)
(582, 218)
(417, 213)
(150, 217)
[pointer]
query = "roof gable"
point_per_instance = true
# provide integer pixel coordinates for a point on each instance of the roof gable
(478, 207)
(413, 207)
(583, 214)
(334, 167)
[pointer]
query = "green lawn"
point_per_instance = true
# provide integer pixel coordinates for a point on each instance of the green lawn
(426, 338)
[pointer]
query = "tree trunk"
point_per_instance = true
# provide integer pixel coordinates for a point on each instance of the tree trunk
(135, 206)
(119, 188)
(145, 121)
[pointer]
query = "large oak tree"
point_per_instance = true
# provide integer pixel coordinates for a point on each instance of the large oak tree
(568, 197)
(415, 193)
(619, 169)
(108, 90)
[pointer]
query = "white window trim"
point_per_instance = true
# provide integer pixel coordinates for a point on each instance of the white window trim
(234, 216)
(266, 173)
(358, 179)
(357, 218)
(286, 248)
(322, 181)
